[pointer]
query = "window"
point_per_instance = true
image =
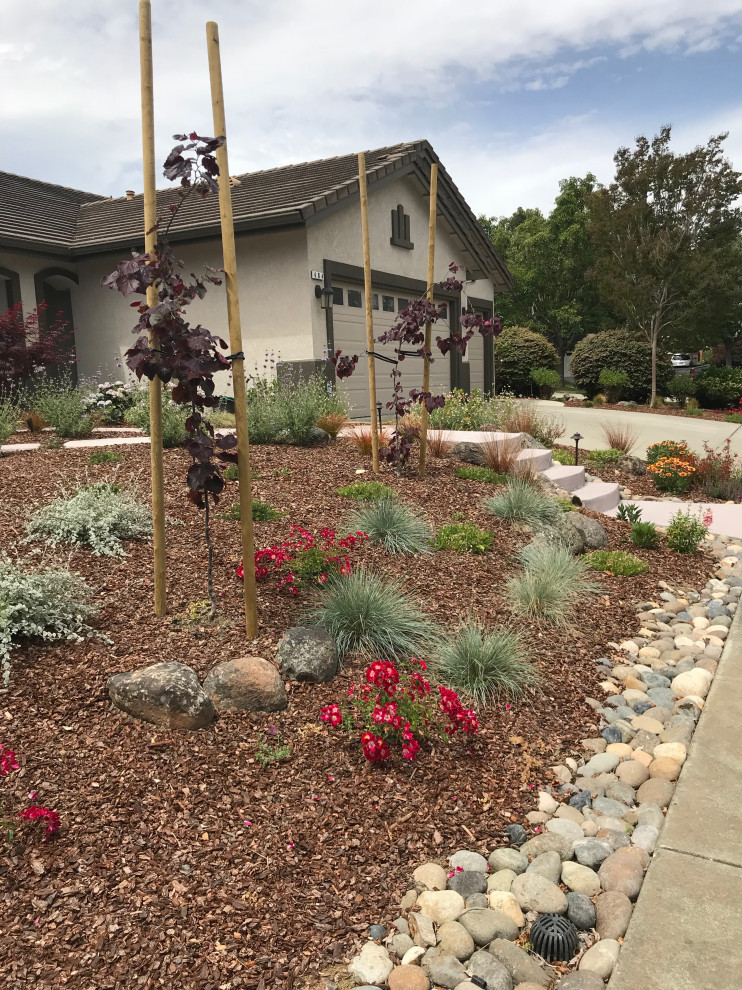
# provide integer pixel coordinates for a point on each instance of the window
(337, 297)
(444, 310)
(354, 298)
(375, 300)
(403, 303)
(387, 304)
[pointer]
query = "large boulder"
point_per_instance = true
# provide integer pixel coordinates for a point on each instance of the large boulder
(308, 653)
(248, 684)
(593, 534)
(470, 453)
(631, 465)
(165, 694)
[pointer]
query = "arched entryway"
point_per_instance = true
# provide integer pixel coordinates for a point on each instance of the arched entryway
(10, 289)
(53, 287)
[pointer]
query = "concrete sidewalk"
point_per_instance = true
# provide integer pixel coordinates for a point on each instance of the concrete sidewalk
(686, 930)
(726, 521)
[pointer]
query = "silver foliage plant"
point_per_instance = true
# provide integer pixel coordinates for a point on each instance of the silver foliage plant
(100, 516)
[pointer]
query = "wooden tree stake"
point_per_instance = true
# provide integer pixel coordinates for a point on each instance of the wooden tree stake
(369, 310)
(428, 327)
(235, 332)
(150, 243)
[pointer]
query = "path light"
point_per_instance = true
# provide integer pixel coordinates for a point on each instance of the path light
(577, 437)
(378, 412)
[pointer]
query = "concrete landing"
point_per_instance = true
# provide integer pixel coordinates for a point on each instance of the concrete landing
(726, 521)
(686, 930)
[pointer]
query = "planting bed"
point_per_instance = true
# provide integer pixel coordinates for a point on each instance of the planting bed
(182, 861)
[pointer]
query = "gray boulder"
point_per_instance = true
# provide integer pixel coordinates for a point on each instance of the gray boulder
(248, 684)
(308, 653)
(631, 465)
(165, 694)
(593, 534)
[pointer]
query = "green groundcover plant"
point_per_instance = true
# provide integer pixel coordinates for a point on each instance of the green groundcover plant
(464, 537)
(617, 562)
(367, 491)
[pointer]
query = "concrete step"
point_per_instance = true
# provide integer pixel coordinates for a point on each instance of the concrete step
(540, 460)
(600, 496)
(567, 476)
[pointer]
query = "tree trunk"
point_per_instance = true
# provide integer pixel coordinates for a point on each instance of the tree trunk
(728, 344)
(653, 398)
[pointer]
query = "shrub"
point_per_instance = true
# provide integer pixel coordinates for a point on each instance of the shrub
(367, 491)
(475, 411)
(730, 417)
(521, 502)
(588, 403)
(261, 512)
(696, 413)
(565, 457)
(628, 512)
(517, 351)
(546, 379)
(672, 475)
(692, 404)
(362, 439)
(110, 400)
(486, 474)
(9, 415)
(616, 562)
(600, 458)
(174, 417)
(389, 711)
(525, 417)
(332, 423)
(49, 605)
(686, 531)
(105, 457)
(613, 382)
(718, 472)
(485, 664)
(619, 349)
(552, 584)
(286, 409)
(100, 516)
(305, 559)
(644, 535)
(397, 527)
(365, 614)
(63, 407)
(719, 387)
(669, 448)
(681, 388)
(619, 436)
(463, 538)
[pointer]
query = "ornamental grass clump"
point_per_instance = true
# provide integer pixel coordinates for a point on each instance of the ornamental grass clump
(616, 562)
(486, 664)
(48, 605)
(63, 406)
(100, 516)
(522, 502)
(552, 585)
(672, 475)
(464, 538)
(394, 708)
(398, 527)
(367, 491)
(365, 614)
(687, 531)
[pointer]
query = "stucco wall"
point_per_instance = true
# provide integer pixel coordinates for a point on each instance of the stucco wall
(27, 265)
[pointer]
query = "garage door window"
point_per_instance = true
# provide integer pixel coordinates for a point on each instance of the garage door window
(337, 297)
(403, 303)
(374, 300)
(354, 298)
(387, 304)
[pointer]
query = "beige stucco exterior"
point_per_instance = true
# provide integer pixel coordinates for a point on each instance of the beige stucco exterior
(281, 315)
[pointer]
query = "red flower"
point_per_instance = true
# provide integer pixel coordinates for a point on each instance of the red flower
(7, 761)
(36, 813)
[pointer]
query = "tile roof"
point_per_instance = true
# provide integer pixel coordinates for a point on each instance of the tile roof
(75, 223)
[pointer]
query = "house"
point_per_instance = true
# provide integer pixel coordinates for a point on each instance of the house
(297, 231)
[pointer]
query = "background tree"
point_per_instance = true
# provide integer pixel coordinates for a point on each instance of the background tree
(663, 231)
(549, 258)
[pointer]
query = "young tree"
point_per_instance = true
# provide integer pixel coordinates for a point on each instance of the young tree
(31, 345)
(662, 231)
(549, 258)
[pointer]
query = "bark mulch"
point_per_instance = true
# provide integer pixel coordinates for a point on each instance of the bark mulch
(719, 415)
(182, 861)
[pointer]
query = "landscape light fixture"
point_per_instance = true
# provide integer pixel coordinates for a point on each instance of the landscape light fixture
(378, 412)
(577, 437)
(325, 296)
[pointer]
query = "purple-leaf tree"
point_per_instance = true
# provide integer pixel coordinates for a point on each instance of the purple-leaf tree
(168, 347)
(409, 332)
(31, 345)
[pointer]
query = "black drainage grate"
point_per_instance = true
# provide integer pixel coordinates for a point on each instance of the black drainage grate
(554, 937)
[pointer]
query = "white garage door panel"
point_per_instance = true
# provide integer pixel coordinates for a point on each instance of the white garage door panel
(349, 324)
(475, 355)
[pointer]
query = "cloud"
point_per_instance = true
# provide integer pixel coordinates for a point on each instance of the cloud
(304, 80)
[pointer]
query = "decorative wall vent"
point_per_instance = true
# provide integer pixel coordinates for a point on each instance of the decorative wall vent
(401, 229)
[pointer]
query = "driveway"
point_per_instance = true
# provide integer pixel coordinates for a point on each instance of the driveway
(651, 428)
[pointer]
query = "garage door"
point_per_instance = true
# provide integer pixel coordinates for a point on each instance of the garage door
(349, 325)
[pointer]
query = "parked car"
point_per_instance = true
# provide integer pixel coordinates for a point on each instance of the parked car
(681, 361)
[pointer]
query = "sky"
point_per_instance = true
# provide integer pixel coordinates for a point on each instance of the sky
(514, 95)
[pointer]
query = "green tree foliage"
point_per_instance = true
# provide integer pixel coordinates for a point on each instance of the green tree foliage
(619, 349)
(517, 351)
(663, 233)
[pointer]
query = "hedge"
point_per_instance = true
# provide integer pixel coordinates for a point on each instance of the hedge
(719, 387)
(517, 352)
(621, 350)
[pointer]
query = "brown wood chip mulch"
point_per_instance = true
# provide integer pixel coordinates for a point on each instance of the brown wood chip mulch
(182, 862)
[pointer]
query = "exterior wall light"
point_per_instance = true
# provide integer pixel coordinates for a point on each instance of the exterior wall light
(325, 296)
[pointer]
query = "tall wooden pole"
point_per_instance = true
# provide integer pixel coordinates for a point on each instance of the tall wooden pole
(235, 331)
(428, 326)
(369, 310)
(150, 243)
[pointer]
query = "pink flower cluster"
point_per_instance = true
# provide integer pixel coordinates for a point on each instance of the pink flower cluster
(33, 813)
(333, 715)
(7, 761)
(375, 749)
(460, 717)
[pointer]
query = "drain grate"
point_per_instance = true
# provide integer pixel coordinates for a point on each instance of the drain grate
(554, 937)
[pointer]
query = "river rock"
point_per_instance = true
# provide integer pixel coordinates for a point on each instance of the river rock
(580, 911)
(665, 768)
(443, 969)
(522, 967)
(571, 831)
(441, 905)
(601, 958)
(422, 931)
(592, 852)
(548, 864)
(502, 880)
(535, 893)
(248, 684)
(633, 773)
(622, 873)
(508, 859)
(455, 940)
(430, 876)
(612, 914)
(600, 763)
(581, 981)
(485, 966)
(655, 791)
(485, 924)
(165, 694)
(580, 879)
(468, 882)
(504, 901)
(466, 860)
(544, 843)
(593, 534)
(408, 978)
(692, 682)
(371, 965)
